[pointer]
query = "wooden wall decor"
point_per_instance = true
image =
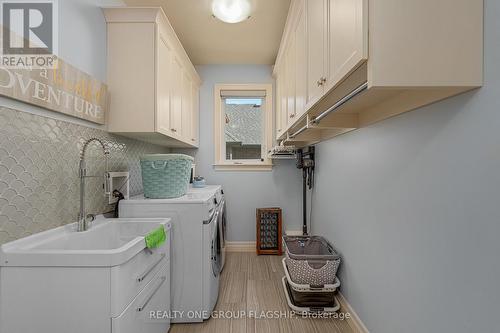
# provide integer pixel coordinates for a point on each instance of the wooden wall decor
(64, 89)
(269, 232)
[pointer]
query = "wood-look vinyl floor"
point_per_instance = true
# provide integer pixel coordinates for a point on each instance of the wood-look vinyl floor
(253, 283)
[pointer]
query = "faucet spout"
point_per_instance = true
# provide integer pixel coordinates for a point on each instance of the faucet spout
(83, 219)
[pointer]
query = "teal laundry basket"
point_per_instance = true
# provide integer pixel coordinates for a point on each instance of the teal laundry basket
(165, 176)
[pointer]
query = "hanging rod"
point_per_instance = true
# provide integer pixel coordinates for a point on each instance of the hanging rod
(341, 102)
(334, 107)
(300, 130)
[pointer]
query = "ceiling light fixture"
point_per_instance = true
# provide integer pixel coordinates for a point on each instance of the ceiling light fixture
(231, 11)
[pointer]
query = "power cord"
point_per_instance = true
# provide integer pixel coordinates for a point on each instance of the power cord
(119, 195)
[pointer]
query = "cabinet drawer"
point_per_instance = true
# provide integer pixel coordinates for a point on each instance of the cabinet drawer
(154, 298)
(130, 278)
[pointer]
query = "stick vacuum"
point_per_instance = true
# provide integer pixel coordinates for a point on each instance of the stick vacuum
(305, 161)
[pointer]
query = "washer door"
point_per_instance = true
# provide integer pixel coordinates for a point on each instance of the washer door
(216, 246)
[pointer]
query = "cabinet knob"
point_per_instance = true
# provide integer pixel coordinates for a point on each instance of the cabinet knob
(193, 139)
(320, 82)
(173, 130)
(323, 79)
(292, 115)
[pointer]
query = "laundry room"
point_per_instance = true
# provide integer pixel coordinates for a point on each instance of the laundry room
(249, 166)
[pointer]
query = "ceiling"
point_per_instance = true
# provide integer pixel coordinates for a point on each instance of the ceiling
(210, 41)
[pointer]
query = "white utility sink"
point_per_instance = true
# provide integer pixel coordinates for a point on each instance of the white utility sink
(108, 242)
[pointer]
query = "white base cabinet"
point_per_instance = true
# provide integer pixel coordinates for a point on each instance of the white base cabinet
(147, 312)
(133, 297)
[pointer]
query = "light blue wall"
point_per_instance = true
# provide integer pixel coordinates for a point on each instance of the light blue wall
(245, 191)
(82, 34)
(413, 205)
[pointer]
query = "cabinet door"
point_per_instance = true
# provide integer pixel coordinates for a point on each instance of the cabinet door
(176, 97)
(163, 88)
(300, 62)
(279, 93)
(290, 70)
(195, 116)
(187, 111)
(284, 96)
(347, 38)
(316, 42)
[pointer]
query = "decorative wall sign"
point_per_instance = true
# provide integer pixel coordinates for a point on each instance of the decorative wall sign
(63, 89)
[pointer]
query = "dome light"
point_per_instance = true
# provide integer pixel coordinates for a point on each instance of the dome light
(231, 11)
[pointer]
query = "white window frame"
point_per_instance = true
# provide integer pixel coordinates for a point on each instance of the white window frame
(221, 163)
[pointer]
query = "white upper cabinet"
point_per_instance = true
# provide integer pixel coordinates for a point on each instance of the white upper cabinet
(187, 106)
(347, 38)
(152, 83)
(164, 75)
(195, 121)
(290, 81)
(300, 70)
(176, 97)
(346, 64)
(277, 113)
(316, 49)
(282, 102)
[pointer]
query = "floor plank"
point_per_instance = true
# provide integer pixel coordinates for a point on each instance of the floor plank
(251, 284)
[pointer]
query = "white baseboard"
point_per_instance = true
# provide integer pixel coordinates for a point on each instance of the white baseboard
(235, 246)
(357, 324)
(293, 232)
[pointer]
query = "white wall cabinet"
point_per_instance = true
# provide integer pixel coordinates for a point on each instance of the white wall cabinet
(336, 42)
(345, 78)
(292, 81)
(347, 33)
(154, 88)
(300, 36)
(316, 46)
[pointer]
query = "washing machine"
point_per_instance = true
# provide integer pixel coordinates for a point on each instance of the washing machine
(196, 257)
(220, 201)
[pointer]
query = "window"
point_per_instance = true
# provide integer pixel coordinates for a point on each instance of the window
(243, 126)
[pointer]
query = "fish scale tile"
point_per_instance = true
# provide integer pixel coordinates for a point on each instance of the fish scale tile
(39, 185)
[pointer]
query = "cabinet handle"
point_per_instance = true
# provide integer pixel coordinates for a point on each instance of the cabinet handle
(173, 130)
(150, 269)
(143, 306)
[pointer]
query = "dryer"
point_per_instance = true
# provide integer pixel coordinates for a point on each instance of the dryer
(196, 257)
(220, 201)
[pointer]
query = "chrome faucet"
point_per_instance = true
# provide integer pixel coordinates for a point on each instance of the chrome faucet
(83, 218)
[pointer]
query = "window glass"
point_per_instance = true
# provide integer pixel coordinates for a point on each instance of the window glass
(243, 127)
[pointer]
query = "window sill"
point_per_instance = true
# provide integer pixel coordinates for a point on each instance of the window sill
(243, 167)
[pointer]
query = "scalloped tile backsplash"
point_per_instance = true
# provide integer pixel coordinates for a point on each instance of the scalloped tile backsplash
(39, 185)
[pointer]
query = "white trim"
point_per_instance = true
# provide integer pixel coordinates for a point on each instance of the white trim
(243, 167)
(356, 322)
(241, 246)
(220, 162)
(293, 232)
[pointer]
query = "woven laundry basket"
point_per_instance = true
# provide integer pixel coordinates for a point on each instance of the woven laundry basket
(165, 176)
